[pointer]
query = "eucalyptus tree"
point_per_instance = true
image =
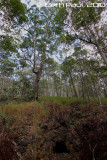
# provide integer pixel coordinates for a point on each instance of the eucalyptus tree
(7, 47)
(91, 75)
(39, 43)
(84, 74)
(68, 67)
(47, 85)
(86, 23)
(50, 69)
(98, 77)
(12, 13)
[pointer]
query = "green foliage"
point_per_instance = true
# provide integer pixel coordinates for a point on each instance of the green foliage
(23, 63)
(68, 64)
(84, 16)
(7, 47)
(59, 20)
(7, 44)
(7, 67)
(15, 10)
(45, 31)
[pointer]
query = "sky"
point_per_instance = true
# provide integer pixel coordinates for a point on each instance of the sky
(43, 2)
(37, 2)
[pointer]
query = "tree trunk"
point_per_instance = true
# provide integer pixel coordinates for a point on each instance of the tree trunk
(92, 85)
(84, 88)
(82, 82)
(37, 80)
(99, 99)
(37, 86)
(74, 88)
(105, 86)
(103, 55)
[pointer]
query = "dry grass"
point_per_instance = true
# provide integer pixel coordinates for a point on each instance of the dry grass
(26, 120)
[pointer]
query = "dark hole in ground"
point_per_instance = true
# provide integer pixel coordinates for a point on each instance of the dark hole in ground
(60, 147)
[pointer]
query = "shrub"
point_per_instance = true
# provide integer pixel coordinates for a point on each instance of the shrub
(89, 139)
(8, 149)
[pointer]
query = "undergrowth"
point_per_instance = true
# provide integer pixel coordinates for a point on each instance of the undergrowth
(35, 130)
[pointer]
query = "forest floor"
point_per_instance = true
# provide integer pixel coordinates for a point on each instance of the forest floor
(53, 129)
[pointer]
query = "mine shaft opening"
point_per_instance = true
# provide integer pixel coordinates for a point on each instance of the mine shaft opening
(60, 147)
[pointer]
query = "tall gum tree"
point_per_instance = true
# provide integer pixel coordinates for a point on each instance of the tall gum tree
(68, 67)
(87, 24)
(42, 30)
(10, 18)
